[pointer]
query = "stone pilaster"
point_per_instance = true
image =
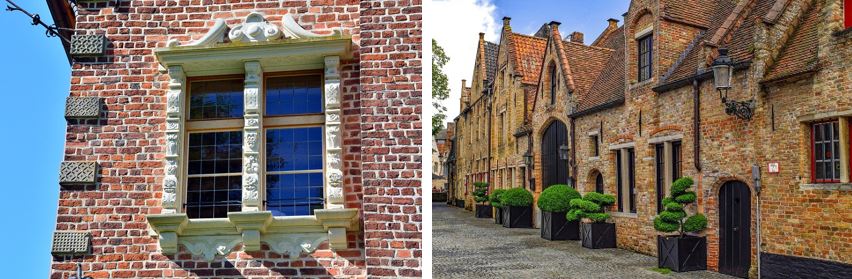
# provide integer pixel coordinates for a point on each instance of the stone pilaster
(174, 127)
(251, 135)
(333, 148)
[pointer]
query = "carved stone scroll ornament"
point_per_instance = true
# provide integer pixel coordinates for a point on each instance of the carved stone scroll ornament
(294, 244)
(209, 247)
(332, 93)
(255, 28)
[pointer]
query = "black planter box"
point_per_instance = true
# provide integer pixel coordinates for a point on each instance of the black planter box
(483, 211)
(498, 215)
(597, 235)
(554, 226)
(517, 217)
(681, 254)
(460, 203)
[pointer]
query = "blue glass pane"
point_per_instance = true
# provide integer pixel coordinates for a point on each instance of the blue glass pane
(216, 99)
(293, 95)
(293, 149)
(294, 194)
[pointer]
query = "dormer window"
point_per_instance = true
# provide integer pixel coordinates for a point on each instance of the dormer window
(645, 45)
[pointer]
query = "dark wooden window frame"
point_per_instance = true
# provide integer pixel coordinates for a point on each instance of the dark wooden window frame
(644, 47)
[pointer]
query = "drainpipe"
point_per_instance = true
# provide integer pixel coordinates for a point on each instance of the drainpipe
(573, 154)
(696, 123)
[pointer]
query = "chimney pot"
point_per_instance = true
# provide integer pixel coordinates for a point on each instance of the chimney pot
(464, 83)
(506, 20)
(577, 37)
(481, 36)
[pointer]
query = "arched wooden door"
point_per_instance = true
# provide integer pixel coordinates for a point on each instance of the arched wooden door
(599, 183)
(735, 229)
(553, 169)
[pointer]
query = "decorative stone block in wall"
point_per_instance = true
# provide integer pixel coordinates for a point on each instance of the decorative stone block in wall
(82, 108)
(88, 45)
(78, 173)
(71, 243)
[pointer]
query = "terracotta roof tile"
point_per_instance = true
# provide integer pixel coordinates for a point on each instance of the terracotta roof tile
(799, 55)
(586, 63)
(733, 25)
(528, 55)
(608, 86)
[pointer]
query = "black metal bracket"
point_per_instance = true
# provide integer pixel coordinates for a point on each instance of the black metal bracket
(741, 109)
(51, 30)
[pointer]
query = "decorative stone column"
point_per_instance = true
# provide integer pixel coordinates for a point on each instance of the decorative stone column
(333, 148)
(251, 135)
(174, 126)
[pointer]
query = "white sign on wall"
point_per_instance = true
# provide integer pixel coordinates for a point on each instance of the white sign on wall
(774, 167)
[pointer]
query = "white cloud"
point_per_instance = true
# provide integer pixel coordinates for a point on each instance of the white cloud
(455, 25)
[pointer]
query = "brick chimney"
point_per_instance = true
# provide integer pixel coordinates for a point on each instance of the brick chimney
(506, 21)
(613, 23)
(577, 37)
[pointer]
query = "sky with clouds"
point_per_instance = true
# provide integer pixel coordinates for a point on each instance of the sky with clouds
(455, 24)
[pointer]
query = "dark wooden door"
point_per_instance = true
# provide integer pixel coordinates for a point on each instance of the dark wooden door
(599, 184)
(554, 170)
(735, 229)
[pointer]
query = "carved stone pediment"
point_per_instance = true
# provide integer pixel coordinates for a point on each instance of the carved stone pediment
(255, 28)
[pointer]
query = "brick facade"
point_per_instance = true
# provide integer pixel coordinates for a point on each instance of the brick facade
(381, 158)
(791, 58)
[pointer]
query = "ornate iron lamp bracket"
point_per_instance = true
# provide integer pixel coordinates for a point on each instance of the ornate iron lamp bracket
(741, 109)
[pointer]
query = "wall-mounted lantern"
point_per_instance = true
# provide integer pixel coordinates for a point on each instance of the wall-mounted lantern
(723, 72)
(528, 159)
(563, 152)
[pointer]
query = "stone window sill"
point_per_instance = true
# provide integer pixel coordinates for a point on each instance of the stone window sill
(594, 158)
(285, 235)
(826, 187)
(623, 215)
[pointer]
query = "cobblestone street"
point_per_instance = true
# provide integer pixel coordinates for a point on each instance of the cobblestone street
(466, 247)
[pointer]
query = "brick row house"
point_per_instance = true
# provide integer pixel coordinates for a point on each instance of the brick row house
(637, 108)
(234, 139)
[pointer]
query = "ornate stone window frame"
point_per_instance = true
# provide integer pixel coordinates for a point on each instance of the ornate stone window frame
(255, 47)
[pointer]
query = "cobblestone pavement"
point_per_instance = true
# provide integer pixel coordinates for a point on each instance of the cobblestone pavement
(466, 247)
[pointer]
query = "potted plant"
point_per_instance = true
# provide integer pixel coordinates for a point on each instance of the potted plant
(494, 199)
(595, 232)
(681, 252)
(554, 203)
(480, 195)
(517, 208)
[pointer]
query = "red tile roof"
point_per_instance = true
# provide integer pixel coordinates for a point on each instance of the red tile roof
(608, 86)
(528, 53)
(732, 26)
(799, 56)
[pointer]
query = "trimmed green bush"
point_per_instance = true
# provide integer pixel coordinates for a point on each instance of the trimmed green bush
(674, 218)
(494, 197)
(591, 206)
(516, 197)
(556, 198)
(480, 192)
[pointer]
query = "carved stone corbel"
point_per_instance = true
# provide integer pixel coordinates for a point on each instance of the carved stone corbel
(209, 247)
(252, 132)
(168, 227)
(251, 225)
(337, 222)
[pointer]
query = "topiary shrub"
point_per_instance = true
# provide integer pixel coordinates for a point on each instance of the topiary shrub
(494, 197)
(480, 192)
(591, 207)
(556, 198)
(674, 217)
(516, 197)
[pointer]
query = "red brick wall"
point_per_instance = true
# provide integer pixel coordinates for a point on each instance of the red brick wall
(391, 130)
(128, 141)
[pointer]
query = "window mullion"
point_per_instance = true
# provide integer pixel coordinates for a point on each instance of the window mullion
(253, 139)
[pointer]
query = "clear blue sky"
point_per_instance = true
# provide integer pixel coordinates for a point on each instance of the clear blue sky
(35, 81)
(585, 16)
